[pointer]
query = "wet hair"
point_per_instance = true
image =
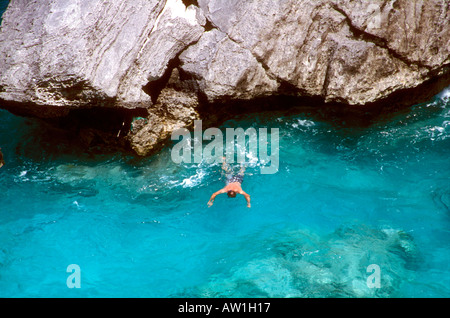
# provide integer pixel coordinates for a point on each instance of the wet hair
(231, 194)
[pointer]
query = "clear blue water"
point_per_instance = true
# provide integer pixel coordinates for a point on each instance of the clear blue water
(345, 197)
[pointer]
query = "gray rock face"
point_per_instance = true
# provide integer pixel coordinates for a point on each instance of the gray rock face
(225, 69)
(61, 55)
(73, 53)
(354, 52)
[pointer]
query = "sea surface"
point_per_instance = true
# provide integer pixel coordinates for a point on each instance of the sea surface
(355, 210)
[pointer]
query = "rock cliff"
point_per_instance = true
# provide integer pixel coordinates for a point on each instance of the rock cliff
(164, 63)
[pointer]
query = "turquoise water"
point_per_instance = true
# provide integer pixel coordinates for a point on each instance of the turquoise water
(346, 196)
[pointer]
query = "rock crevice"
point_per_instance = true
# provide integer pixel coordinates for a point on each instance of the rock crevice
(378, 41)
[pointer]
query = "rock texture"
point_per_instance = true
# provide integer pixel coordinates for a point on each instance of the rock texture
(170, 58)
(354, 52)
(300, 266)
(75, 53)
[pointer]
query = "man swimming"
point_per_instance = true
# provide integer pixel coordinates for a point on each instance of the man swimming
(233, 184)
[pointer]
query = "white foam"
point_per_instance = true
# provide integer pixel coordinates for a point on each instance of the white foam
(252, 159)
(303, 123)
(194, 180)
(77, 205)
(306, 123)
(445, 95)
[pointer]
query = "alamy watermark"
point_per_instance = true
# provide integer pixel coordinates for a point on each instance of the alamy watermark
(374, 279)
(74, 279)
(248, 145)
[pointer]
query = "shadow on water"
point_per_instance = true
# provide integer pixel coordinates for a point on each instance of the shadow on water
(42, 141)
(3, 6)
(34, 140)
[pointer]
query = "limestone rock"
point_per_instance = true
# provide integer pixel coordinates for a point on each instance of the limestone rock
(355, 52)
(174, 110)
(57, 56)
(225, 69)
(94, 53)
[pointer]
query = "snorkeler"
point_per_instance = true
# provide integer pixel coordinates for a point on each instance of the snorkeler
(233, 184)
(2, 162)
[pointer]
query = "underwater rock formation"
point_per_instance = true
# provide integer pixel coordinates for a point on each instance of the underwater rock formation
(334, 265)
(58, 56)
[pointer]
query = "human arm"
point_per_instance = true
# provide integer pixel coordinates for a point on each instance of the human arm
(247, 198)
(213, 196)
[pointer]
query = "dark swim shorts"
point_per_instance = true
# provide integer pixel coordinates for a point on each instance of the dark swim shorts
(235, 178)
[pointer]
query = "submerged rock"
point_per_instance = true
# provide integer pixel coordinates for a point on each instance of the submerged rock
(57, 56)
(303, 264)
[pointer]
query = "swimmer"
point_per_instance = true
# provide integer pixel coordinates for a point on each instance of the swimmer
(233, 184)
(2, 162)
